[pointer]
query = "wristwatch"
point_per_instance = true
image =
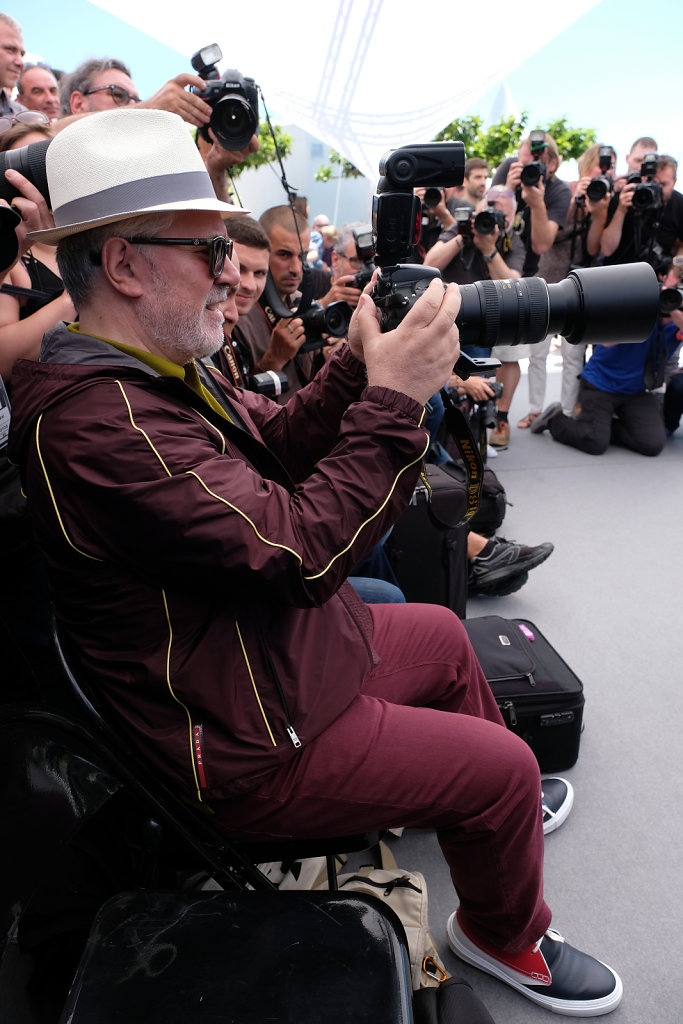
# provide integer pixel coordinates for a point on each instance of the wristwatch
(489, 256)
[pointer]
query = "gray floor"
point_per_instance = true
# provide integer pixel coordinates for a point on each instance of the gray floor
(607, 600)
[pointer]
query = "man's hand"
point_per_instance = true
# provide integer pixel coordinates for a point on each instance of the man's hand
(477, 388)
(534, 195)
(174, 97)
(222, 159)
(486, 244)
(514, 175)
(341, 292)
(626, 197)
(285, 341)
(417, 357)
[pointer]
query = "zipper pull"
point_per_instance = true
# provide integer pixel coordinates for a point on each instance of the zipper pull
(296, 742)
(508, 708)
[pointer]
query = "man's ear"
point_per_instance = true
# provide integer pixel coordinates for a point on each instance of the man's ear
(78, 103)
(124, 267)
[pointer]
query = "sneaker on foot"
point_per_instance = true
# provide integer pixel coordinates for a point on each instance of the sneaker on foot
(496, 589)
(541, 422)
(552, 973)
(500, 435)
(557, 801)
(506, 561)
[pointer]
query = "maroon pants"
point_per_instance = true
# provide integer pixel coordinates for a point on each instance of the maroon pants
(423, 745)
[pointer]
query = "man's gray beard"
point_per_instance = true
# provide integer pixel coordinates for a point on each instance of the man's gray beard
(177, 334)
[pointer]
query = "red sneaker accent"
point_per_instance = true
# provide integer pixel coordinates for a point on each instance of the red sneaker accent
(531, 963)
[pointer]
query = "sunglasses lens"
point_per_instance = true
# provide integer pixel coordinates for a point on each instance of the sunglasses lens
(221, 249)
(32, 117)
(120, 96)
(5, 124)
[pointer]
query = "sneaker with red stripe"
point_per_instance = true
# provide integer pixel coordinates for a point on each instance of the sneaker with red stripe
(552, 973)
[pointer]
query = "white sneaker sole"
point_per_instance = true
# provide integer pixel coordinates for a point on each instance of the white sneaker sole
(559, 816)
(471, 954)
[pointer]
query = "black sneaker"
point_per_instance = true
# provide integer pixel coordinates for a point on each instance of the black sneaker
(552, 973)
(507, 561)
(557, 801)
(541, 422)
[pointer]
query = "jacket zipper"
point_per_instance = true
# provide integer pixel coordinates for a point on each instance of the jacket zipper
(291, 732)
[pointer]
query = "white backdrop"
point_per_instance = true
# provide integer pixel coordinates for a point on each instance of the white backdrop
(361, 75)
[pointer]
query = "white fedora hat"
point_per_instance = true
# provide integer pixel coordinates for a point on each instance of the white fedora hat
(122, 163)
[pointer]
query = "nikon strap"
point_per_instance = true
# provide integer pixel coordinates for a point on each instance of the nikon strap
(459, 429)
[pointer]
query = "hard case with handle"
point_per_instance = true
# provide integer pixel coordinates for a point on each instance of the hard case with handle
(540, 697)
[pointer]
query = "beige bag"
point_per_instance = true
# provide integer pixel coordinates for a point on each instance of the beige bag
(406, 893)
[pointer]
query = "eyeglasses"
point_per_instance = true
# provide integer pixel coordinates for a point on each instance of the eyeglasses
(23, 117)
(220, 248)
(120, 96)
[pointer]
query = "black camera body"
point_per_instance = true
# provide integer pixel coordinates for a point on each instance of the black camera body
(600, 187)
(432, 197)
(332, 320)
(592, 305)
(647, 195)
(486, 221)
(533, 172)
(670, 299)
(365, 252)
(464, 221)
(232, 97)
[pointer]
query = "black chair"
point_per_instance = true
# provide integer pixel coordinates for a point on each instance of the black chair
(239, 855)
(79, 853)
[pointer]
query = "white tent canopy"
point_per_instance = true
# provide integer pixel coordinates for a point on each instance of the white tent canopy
(361, 75)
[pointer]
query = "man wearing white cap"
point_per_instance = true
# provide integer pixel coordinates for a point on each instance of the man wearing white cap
(198, 539)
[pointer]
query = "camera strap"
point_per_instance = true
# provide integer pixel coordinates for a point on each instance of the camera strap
(459, 429)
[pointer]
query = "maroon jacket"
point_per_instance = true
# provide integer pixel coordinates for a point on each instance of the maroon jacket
(198, 565)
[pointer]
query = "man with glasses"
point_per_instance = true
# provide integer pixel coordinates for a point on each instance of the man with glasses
(198, 539)
(345, 265)
(11, 63)
(38, 90)
(106, 84)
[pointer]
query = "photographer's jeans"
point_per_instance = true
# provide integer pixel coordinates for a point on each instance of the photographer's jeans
(423, 745)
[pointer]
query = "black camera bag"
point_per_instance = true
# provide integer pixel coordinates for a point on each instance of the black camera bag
(427, 547)
(491, 512)
(540, 697)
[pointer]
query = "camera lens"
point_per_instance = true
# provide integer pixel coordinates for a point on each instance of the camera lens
(593, 305)
(597, 190)
(670, 299)
(337, 318)
(531, 174)
(431, 197)
(29, 161)
(484, 223)
(233, 122)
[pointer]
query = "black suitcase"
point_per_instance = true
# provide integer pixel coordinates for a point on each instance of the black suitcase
(430, 560)
(539, 696)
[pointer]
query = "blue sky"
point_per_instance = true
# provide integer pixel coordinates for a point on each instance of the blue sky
(615, 69)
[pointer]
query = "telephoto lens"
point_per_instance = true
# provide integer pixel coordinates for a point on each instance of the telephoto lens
(592, 306)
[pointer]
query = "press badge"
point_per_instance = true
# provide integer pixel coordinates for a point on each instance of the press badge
(4, 415)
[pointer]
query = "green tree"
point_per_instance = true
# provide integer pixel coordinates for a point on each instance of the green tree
(343, 167)
(266, 151)
(501, 140)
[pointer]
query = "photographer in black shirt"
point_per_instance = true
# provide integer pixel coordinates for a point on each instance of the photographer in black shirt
(645, 218)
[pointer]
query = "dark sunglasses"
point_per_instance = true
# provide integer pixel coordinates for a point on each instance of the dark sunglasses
(120, 96)
(23, 117)
(220, 248)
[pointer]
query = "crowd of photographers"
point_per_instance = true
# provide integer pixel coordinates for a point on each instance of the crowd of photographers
(298, 288)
